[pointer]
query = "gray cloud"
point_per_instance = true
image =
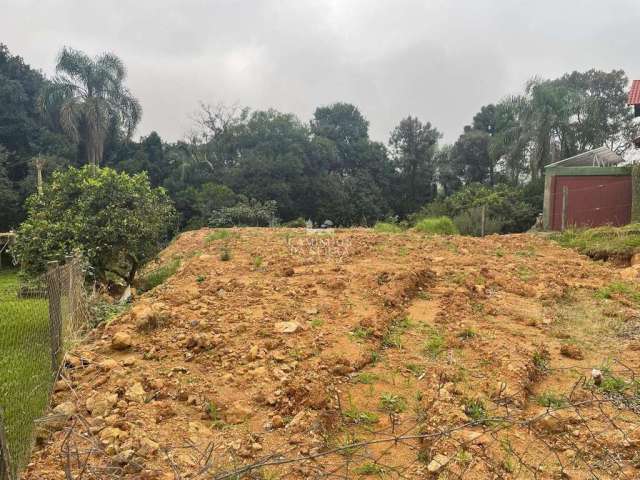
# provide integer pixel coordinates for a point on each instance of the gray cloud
(439, 60)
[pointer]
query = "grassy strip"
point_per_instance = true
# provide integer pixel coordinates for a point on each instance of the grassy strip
(603, 242)
(25, 364)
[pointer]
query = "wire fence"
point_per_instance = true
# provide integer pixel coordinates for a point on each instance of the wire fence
(40, 319)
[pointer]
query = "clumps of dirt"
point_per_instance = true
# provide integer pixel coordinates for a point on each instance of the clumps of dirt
(302, 348)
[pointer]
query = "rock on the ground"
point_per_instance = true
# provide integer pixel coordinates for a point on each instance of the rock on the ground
(100, 404)
(438, 462)
(136, 393)
(287, 327)
(571, 351)
(121, 341)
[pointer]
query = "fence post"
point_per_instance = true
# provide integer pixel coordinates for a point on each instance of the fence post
(565, 198)
(54, 289)
(6, 467)
(482, 220)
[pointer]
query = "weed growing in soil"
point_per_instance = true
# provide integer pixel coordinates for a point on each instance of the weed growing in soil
(217, 235)
(384, 227)
(225, 254)
(317, 322)
(622, 289)
(551, 400)
(257, 261)
(467, 334)
(437, 226)
(361, 417)
(540, 359)
(369, 468)
(391, 403)
(475, 410)
(158, 276)
(416, 369)
(366, 378)
(200, 278)
(361, 333)
(434, 345)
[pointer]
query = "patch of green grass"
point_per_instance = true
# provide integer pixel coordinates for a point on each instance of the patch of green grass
(602, 242)
(257, 261)
(524, 273)
(218, 235)
(619, 289)
(392, 403)
(361, 333)
(551, 400)
(540, 359)
(467, 334)
(369, 468)
(200, 278)
(385, 227)
(158, 276)
(475, 409)
(366, 378)
(317, 322)
(416, 369)
(25, 364)
(360, 417)
(437, 226)
(434, 345)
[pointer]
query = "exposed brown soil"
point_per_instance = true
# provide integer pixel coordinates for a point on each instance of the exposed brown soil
(435, 355)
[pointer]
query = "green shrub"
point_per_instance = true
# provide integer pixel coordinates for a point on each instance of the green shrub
(295, 223)
(118, 222)
(470, 223)
(251, 213)
(216, 235)
(513, 209)
(437, 226)
(602, 243)
(158, 276)
(385, 227)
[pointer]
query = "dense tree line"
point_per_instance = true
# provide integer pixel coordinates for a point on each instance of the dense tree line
(326, 168)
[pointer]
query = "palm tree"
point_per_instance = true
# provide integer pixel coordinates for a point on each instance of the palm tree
(87, 96)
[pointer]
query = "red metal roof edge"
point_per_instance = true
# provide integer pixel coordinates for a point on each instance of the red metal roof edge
(634, 93)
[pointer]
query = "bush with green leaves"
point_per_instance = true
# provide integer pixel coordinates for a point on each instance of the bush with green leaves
(118, 222)
(437, 226)
(508, 209)
(250, 213)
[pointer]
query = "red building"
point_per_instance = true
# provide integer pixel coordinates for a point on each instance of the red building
(587, 190)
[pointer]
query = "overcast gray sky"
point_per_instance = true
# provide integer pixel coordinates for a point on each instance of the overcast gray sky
(440, 60)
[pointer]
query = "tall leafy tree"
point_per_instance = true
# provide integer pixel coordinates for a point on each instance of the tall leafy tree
(413, 146)
(88, 96)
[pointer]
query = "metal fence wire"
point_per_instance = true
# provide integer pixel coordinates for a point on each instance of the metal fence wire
(39, 320)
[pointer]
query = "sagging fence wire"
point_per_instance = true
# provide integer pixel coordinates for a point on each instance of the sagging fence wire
(40, 319)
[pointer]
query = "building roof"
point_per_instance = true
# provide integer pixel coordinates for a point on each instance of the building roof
(634, 93)
(599, 157)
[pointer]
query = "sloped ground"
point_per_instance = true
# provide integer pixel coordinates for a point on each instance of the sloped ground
(354, 355)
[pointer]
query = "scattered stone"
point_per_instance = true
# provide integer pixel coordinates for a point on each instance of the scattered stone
(121, 341)
(136, 393)
(147, 447)
(438, 462)
(253, 353)
(123, 457)
(288, 272)
(277, 421)
(107, 364)
(238, 413)
(101, 403)
(571, 351)
(287, 327)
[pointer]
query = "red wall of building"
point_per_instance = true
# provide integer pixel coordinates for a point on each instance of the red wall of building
(592, 200)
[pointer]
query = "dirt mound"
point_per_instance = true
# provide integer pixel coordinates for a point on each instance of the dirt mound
(357, 354)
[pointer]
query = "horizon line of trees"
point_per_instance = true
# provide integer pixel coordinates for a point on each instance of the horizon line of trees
(326, 168)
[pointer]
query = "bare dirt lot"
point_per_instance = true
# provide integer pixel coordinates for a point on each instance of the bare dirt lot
(358, 354)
